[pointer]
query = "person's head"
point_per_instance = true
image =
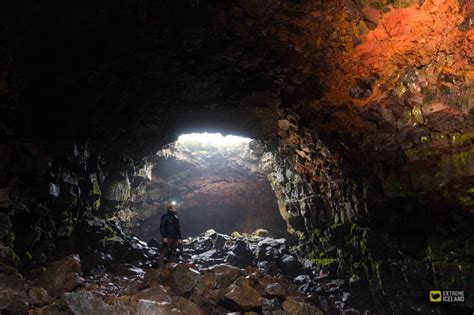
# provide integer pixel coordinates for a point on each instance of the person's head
(171, 208)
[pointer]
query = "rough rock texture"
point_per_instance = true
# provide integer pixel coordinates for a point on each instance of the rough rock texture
(61, 276)
(240, 294)
(366, 108)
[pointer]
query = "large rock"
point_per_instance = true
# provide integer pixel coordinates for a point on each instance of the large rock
(275, 289)
(179, 305)
(38, 296)
(271, 242)
(59, 307)
(225, 274)
(154, 277)
(157, 294)
(296, 306)
(186, 306)
(85, 303)
(147, 307)
(207, 282)
(239, 253)
(243, 296)
(13, 301)
(290, 265)
(61, 276)
(183, 280)
(270, 305)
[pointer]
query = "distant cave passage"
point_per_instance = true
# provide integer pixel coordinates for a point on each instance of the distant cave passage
(216, 185)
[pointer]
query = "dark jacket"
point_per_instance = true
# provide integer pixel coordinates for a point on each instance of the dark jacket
(169, 226)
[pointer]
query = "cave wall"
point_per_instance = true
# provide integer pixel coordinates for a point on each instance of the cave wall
(369, 105)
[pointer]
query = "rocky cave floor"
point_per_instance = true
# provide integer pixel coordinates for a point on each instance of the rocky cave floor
(215, 274)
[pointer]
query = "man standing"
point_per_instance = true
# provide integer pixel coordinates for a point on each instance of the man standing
(170, 232)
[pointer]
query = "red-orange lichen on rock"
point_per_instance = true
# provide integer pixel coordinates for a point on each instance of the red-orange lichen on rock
(409, 36)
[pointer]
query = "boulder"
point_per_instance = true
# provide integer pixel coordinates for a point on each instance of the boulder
(207, 255)
(296, 306)
(61, 276)
(290, 265)
(243, 296)
(154, 277)
(207, 282)
(270, 304)
(225, 274)
(157, 294)
(13, 301)
(210, 233)
(239, 253)
(134, 286)
(183, 280)
(38, 296)
(179, 305)
(147, 307)
(55, 308)
(279, 243)
(85, 303)
(275, 289)
(186, 306)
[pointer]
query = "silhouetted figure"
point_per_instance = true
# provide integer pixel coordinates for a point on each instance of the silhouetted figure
(171, 234)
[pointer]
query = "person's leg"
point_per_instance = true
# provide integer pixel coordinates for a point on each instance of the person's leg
(164, 249)
(173, 247)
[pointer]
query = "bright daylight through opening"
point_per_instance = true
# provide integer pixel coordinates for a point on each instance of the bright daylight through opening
(214, 139)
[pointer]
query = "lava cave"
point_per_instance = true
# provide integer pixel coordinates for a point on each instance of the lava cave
(351, 190)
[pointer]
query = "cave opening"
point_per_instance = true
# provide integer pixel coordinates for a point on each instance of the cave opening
(216, 182)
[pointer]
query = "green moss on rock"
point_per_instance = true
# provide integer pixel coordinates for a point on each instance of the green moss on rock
(260, 233)
(402, 3)
(322, 261)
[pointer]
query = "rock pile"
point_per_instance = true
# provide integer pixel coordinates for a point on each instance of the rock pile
(317, 278)
(270, 255)
(191, 290)
(216, 274)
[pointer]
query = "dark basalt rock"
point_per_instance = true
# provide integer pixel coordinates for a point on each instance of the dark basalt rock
(183, 280)
(13, 301)
(61, 276)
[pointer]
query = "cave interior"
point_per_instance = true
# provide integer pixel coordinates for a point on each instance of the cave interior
(351, 193)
